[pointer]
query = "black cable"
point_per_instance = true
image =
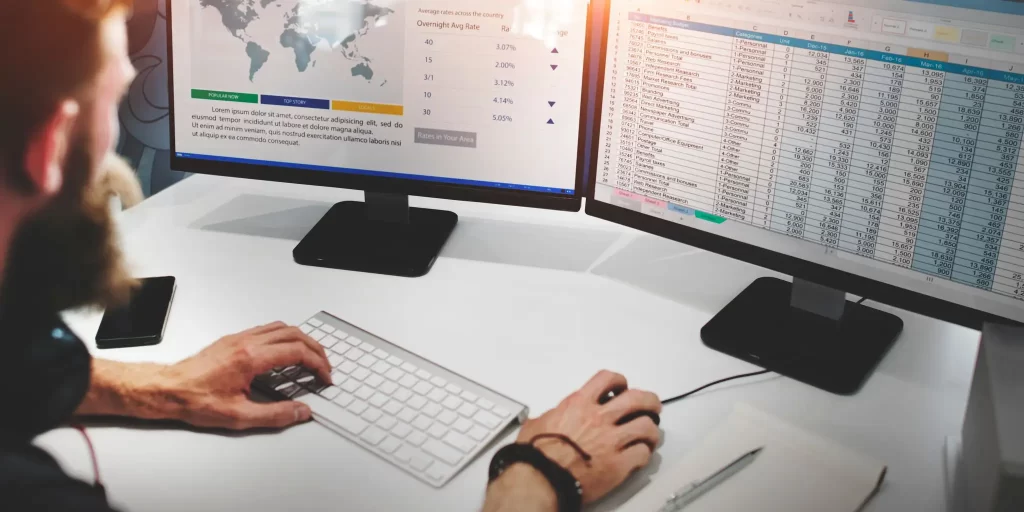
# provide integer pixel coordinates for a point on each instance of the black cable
(702, 388)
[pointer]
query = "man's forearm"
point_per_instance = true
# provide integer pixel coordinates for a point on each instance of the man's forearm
(127, 389)
(521, 488)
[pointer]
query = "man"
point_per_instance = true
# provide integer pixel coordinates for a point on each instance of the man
(65, 67)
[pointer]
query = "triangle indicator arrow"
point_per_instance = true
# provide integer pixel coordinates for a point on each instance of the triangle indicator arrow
(554, 67)
(551, 121)
(551, 103)
(554, 50)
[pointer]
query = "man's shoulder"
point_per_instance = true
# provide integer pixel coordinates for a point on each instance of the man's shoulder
(33, 481)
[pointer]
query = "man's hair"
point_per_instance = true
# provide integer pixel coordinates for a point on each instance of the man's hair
(50, 50)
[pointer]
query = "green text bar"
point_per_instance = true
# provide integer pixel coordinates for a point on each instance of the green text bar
(201, 94)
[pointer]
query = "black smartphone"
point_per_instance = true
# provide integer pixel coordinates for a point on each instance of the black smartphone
(142, 321)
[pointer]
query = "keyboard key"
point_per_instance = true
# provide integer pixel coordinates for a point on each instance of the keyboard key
(355, 354)
(452, 402)
(379, 399)
(416, 438)
(364, 393)
(340, 334)
(368, 360)
(360, 373)
(392, 407)
(337, 377)
(381, 367)
(462, 425)
(355, 342)
(447, 417)
(389, 445)
(395, 374)
(423, 374)
(326, 328)
(421, 422)
(340, 348)
(453, 389)
(438, 381)
(373, 435)
(437, 430)
(470, 396)
(420, 462)
(408, 381)
(344, 399)
(372, 415)
(395, 360)
(386, 422)
(381, 353)
(416, 402)
(460, 442)
(404, 454)
(401, 430)
(329, 341)
(347, 367)
(501, 412)
(422, 387)
(306, 328)
(431, 409)
(485, 404)
(437, 472)
(437, 395)
(314, 322)
(479, 433)
(487, 419)
(468, 410)
(367, 346)
(334, 359)
(407, 415)
(335, 415)
(351, 385)
(317, 334)
(330, 392)
(409, 367)
(401, 394)
(374, 380)
(441, 451)
(388, 387)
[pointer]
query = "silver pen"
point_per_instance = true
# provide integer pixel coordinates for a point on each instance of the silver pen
(686, 495)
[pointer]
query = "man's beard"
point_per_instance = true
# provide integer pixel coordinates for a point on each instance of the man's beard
(65, 255)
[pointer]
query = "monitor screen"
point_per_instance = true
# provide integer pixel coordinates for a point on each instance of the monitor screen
(878, 138)
(464, 93)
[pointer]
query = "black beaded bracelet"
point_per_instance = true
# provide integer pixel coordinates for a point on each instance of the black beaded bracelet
(567, 489)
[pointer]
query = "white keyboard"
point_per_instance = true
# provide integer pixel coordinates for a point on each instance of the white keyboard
(408, 411)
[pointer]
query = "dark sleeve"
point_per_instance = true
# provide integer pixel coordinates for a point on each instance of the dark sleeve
(32, 481)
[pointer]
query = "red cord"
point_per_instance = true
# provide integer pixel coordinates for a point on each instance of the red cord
(92, 454)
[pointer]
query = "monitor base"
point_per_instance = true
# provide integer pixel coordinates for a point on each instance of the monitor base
(380, 236)
(763, 327)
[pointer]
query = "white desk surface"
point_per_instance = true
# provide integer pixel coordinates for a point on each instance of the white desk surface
(528, 302)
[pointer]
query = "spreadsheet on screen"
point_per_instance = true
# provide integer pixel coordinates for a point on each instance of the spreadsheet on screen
(879, 138)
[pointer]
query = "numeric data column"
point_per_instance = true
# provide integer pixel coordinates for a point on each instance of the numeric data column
(628, 89)
(682, 113)
(1009, 279)
(799, 138)
(743, 132)
(988, 191)
(834, 152)
(771, 148)
(956, 140)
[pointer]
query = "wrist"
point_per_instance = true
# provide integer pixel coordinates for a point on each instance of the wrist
(521, 487)
(141, 390)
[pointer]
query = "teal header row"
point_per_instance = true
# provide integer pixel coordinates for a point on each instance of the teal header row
(903, 60)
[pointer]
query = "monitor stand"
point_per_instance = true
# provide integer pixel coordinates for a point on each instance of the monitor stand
(804, 331)
(381, 235)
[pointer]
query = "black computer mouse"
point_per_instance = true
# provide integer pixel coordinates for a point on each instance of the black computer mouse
(607, 397)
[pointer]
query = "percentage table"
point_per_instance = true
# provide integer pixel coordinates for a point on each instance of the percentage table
(900, 159)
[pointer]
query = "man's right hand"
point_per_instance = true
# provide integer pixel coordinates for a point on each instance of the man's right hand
(615, 450)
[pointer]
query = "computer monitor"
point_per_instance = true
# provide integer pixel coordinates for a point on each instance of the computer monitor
(865, 146)
(452, 99)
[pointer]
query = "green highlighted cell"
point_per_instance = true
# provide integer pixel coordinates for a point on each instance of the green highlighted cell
(1001, 42)
(708, 217)
(239, 97)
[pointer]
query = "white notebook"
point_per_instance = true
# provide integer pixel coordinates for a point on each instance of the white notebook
(796, 472)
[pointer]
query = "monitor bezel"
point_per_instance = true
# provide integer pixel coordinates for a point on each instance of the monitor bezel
(873, 289)
(390, 185)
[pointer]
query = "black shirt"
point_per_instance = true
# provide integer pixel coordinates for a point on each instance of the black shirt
(44, 375)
